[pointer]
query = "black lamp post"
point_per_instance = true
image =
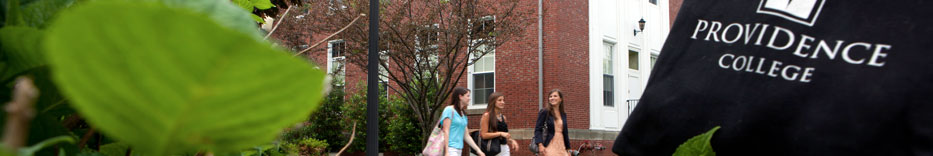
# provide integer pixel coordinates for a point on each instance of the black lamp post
(641, 26)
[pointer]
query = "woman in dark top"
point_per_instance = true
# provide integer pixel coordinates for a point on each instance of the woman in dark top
(493, 125)
(551, 128)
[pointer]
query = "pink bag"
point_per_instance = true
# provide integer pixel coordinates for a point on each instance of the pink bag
(435, 144)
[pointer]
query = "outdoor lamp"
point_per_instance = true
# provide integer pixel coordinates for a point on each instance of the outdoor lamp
(641, 26)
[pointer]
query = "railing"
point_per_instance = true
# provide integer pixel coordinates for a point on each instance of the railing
(631, 105)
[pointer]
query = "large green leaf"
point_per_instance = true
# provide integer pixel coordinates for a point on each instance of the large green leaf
(262, 4)
(698, 145)
(114, 149)
(37, 13)
(179, 85)
(21, 46)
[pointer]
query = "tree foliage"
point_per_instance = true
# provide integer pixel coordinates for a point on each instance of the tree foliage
(428, 44)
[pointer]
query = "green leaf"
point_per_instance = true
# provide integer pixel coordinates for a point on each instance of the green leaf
(114, 149)
(31, 150)
(698, 145)
(258, 19)
(262, 4)
(245, 4)
(22, 48)
(36, 14)
(180, 85)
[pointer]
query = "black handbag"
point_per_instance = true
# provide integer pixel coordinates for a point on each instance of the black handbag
(533, 146)
(490, 147)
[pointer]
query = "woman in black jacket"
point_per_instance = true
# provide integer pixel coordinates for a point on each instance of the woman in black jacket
(551, 128)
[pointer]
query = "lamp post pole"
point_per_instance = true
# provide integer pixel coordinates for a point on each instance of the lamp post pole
(372, 92)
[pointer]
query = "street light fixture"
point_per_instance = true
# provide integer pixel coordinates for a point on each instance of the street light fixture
(641, 26)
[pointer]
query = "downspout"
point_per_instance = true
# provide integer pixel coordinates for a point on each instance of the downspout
(540, 58)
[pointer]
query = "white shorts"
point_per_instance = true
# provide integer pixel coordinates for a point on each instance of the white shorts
(505, 150)
(454, 151)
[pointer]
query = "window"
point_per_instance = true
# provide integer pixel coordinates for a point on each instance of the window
(384, 74)
(426, 45)
(483, 86)
(335, 61)
(483, 28)
(654, 57)
(633, 60)
(655, 2)
(607, 76)
(484, 76)
(427, 36)
(338, 48)
(335, 5)
(482, 33)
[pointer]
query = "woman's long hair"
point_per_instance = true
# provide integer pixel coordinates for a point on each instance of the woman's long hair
(455, 99)
(491, 109)
(561, 104)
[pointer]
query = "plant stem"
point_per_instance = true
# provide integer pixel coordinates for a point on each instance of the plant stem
(19, 112)
(86, 137)
(277, 23)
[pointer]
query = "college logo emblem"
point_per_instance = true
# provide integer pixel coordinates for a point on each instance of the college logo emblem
(801, 11)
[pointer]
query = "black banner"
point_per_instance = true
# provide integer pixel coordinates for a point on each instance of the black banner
(791, 77)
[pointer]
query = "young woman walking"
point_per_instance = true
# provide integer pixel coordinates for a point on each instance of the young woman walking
(493, 125)
(454, 121)
(553, 139)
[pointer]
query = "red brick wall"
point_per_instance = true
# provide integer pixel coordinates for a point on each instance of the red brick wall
(566, 55)
(574, 144)
(675, 8)
(566, 67)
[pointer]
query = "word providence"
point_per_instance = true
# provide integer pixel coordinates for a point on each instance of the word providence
(804, 48)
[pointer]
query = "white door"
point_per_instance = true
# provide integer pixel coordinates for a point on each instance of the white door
(633, 82)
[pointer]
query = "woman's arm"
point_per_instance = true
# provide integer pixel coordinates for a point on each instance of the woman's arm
(446, 134)
(539, 137)
(484, 128)
(539, 124)
(469, 141)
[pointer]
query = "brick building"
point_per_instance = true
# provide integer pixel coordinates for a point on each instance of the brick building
(592, 50)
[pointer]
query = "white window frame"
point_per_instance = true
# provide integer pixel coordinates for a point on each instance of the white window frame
(383, 72)
(433, 58)
(480, 104)
(611, 54)
(331, 59)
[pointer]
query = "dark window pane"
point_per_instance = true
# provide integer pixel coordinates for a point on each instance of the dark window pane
(633, 60)
(607, 90)
(490, 80)
(478, 82)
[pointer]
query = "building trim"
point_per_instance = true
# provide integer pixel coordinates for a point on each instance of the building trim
(575, 134)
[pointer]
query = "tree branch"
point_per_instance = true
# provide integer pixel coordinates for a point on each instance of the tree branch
(331, 35)
(352, 134)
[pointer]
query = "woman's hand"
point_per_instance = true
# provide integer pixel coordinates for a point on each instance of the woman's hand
(541, 149)
(514, 145)
(506, 135)
(481, 153)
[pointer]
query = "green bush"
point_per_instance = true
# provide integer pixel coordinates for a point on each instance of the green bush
(306, 147)
(403, 134)
(325, 124)
(355, 112)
